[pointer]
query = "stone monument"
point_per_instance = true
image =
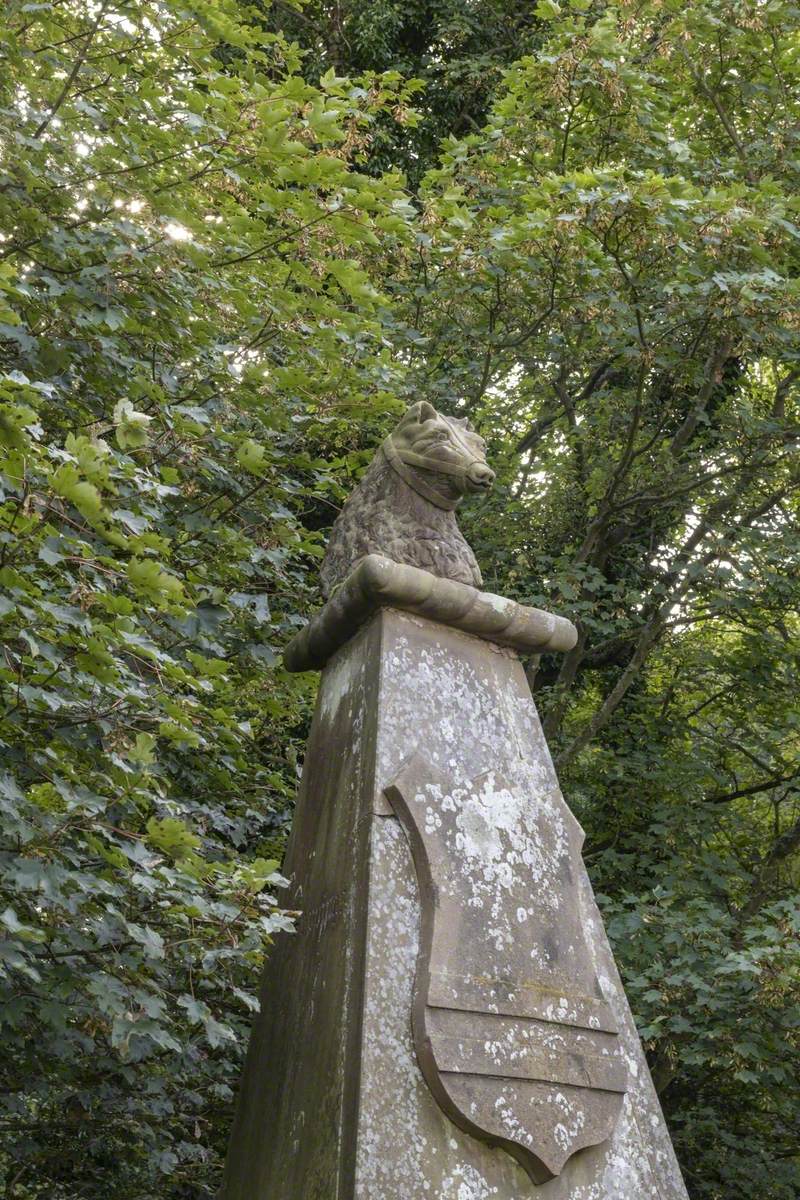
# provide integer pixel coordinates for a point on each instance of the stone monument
(448, 1022)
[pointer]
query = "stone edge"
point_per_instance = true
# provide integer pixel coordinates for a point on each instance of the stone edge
(379, 582)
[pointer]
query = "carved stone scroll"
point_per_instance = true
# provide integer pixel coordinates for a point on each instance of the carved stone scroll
(377, 582)
(512, 1032)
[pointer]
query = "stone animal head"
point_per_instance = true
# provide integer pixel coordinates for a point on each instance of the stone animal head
(440, 457)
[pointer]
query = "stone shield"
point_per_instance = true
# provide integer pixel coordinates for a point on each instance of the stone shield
(511, 1029)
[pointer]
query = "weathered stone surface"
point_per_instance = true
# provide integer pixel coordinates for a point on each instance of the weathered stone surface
(508, 1012)
(404, 505)
(335, 1105)
(294, 1134)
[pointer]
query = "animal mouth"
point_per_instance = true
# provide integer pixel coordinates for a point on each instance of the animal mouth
(479, 478)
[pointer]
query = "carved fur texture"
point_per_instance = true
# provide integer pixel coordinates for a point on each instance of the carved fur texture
(386, 515)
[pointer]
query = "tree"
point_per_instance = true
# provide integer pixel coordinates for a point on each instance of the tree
(187, 316)
(456, 51)
(608, 287)
(216, 293)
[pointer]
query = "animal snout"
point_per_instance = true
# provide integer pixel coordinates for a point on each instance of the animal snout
(480, 477)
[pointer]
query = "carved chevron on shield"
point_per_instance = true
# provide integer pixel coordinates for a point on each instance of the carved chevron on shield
(511, 1029)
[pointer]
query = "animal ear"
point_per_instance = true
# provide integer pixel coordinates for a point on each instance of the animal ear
(426, 411)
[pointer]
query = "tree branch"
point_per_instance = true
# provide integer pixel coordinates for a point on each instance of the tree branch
(783, 848)
(713, 374)
(764, 785)
(76, 66)
(678, 582)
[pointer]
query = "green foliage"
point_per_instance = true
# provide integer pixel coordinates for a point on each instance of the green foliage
(454, 53)
(608, 286)
(216, 292)
(189, 314)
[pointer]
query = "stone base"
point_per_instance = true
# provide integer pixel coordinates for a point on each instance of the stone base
(334, 1104)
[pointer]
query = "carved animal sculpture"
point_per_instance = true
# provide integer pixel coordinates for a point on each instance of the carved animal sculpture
(404, 507)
